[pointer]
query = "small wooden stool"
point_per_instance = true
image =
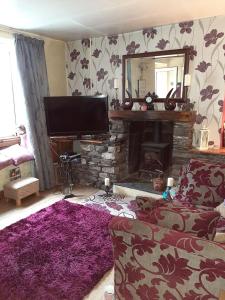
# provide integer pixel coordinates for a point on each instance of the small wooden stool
(21, 188)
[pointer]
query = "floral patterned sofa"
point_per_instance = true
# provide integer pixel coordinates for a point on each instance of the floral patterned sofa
(154, 263)
(202, 184)
(162, 257)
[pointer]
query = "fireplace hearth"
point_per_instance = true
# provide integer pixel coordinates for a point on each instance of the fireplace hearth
(139, 144)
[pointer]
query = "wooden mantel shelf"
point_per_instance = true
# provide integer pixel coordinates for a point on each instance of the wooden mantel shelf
(153, 115)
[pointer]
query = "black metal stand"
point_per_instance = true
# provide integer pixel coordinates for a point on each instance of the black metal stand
(67, 171)
(108, 192)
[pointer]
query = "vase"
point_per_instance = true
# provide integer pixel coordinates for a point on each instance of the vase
(127, 104)
(170, 104)
(158, 184)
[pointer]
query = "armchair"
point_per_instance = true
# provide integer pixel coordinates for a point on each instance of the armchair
(201, 185)
(153, 262)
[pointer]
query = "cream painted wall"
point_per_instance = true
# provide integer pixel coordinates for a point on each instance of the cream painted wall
(55, 62)
(56, 67)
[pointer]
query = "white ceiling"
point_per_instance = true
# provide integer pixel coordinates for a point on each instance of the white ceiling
(75, 19)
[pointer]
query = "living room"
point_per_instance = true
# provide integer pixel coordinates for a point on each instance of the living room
(112, 145)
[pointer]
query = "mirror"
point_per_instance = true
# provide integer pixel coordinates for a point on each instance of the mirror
(157, 72)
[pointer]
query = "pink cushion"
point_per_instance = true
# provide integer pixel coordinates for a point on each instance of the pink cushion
(5, 161)
(18, 154)
(191, 220)
(202, 183)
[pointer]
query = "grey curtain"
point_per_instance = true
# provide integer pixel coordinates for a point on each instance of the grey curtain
(32, 68)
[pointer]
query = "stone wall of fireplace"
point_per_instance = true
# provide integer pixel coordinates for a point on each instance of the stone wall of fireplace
(109, 157)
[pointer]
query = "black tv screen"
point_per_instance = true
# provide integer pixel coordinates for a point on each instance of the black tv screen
(76, 115)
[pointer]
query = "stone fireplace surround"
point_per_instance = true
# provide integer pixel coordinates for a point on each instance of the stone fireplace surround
(107, 156)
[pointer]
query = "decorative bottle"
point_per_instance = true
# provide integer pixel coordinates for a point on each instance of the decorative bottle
(166, 194)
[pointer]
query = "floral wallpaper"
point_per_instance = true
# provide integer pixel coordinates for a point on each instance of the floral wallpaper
(92, 64)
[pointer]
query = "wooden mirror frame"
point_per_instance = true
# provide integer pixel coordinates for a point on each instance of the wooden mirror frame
(184, 51)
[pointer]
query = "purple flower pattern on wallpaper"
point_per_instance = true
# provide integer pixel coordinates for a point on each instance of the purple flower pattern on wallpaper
(71, 75)
(74, 54)
(206, 67)
(132, 47)
(200, 119)
(115, 60)
(101, 74)
(162, 44)
(113, 39)
(208, 92)
(186, 27)
(220, 103)
(96, 53)
(84, 63)
(211, 143)
(98, 93)
(192, 51)
(86, 42)
(202, 66)
(212, 37)
(76, 93)
(149, 32)
(87, 83)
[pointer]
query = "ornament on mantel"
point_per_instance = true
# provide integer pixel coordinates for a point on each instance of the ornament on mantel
(144, 107)
(203, 138)
(128, 103)
(115, 103)
(136, 106)
(149, 99)
(170, 103)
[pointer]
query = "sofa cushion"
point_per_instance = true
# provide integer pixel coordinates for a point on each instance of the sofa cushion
(191, 220)
(202, 183)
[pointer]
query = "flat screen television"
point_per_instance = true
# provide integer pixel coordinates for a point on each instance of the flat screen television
(76, 115)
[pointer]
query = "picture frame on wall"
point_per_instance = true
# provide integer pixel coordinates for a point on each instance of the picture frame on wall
(14, 174)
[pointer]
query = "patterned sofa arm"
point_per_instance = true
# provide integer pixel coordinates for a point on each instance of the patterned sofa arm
(153, 262)
(148, 203)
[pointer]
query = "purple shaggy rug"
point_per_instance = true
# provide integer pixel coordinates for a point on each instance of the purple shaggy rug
(60, 252)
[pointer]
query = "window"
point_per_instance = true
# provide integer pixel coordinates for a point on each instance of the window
(12, 105)
(7, 107)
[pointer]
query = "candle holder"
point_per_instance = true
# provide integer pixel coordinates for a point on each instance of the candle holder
(108, 192)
